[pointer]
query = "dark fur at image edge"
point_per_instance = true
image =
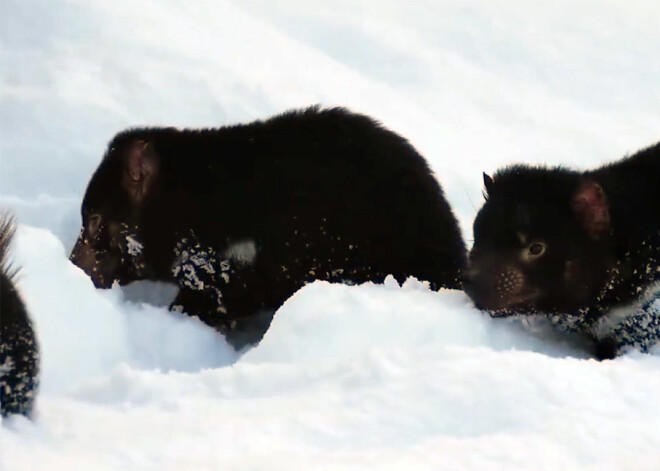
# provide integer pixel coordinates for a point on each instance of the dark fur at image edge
(19, 352)
(582, 248)
(307, 195)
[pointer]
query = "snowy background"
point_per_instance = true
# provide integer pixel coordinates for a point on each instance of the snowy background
(371, 377)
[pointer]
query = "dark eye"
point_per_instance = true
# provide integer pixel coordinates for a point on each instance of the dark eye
(536, 249)
(93, 224)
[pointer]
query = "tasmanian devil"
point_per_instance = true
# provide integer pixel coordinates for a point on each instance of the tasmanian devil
(243, 216)
(19, 352)
(576, 245)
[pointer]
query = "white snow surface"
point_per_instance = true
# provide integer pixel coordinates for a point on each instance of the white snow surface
(364, 377)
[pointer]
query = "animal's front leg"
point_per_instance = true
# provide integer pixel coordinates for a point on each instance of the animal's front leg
(636, 326)
(201, 275)
(206, 305)
(205, 278)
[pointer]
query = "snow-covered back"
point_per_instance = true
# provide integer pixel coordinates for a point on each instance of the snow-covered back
(368, 377)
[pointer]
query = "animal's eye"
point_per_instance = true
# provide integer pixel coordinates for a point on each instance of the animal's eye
(537, 249)
(93, 225)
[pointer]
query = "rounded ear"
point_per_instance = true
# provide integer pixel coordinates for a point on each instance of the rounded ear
(591, 208)
(488, 184)
(141, 166)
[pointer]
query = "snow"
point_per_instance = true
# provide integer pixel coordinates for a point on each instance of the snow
(373, 376)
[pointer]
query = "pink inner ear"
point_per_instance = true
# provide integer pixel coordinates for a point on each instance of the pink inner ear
(135, 160)
(141, 169)
(592, 209)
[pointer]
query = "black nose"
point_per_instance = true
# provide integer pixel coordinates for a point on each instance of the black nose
(471, 289)
(469, 286)
(467, 280)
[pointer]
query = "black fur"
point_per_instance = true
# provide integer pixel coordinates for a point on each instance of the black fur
(313, 194)
(577, 245)
(19, 352)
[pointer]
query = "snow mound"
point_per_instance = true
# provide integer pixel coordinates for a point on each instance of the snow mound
(83, 331)
(347, 377)
(331, 322)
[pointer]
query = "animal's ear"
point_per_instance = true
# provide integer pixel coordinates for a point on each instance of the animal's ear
(591, 208)
(141, 167)
(488, 184)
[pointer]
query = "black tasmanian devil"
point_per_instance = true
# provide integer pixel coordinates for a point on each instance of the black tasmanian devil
(19, 351)
(243, 216)
(576, 244)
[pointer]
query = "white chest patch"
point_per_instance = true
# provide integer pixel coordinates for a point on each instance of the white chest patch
(243, 252)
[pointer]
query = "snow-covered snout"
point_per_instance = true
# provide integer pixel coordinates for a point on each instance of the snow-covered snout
(108, 252)
(541, 243)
